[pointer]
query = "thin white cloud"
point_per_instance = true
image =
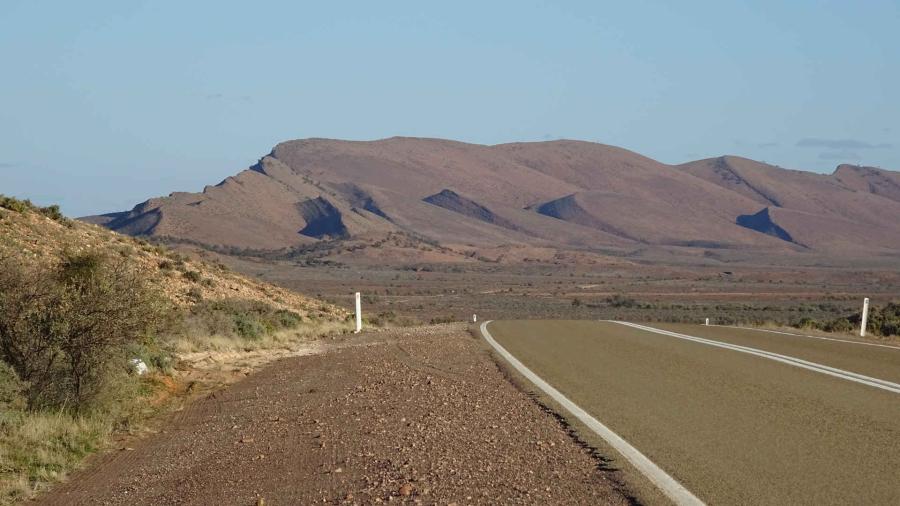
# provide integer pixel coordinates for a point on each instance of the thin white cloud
(840, 144)
(839, 155)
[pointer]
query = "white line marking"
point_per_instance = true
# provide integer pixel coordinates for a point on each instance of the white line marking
(811, 337)
(668, 485)
(796, 362)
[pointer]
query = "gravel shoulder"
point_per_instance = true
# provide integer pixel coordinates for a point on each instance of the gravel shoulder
(421, 416)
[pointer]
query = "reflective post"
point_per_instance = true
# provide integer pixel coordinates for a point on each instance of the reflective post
(358, 313)
(865, 317)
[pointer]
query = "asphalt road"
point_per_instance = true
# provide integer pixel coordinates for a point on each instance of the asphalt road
(732, 427)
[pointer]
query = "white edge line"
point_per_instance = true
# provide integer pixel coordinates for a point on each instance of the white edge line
(811, 337)
(796, 362)
(668, 485)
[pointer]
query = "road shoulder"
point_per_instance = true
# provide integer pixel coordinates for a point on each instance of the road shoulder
(418, 414)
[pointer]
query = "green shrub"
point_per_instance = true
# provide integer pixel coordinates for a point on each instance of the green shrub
(287, 319)
(889, 321)
(882, 321)
(807, 323)
(195, 294)
(839, 325)
(79, 266)
(21, 206)
(240, 318)
(192, 276)
(12, 389)
(248, 327)
(64, 331)
(14, 204)
(52, 212)
(619, 300)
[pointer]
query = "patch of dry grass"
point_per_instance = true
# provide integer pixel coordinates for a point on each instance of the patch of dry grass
(285, 339)
(221, 311)
(39, 448)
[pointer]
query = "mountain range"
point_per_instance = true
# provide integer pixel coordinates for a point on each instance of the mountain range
(567, 195)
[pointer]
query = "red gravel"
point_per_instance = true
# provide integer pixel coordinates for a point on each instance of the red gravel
(418, 415)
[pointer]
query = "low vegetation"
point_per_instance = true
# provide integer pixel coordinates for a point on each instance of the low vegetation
(81, 306)
(65, 337)
(61, 330)
(882, 321)
(22, 206)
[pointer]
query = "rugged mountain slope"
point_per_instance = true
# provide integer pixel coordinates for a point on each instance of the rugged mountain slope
(851, 210)
(563, 194)
(870, 179)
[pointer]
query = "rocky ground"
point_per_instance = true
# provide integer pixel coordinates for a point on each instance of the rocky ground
(418, 415)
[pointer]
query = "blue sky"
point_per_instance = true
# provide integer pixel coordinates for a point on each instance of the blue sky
(106, 103)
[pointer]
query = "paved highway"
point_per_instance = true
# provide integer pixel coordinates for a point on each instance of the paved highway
(731, 426)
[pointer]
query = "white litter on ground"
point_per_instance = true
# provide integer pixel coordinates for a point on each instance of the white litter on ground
(138, 366)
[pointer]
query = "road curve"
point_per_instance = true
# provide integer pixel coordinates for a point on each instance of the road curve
(731, 427)
(668, 485)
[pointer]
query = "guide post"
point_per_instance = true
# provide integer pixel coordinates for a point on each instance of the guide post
(358, 313)
(865, 316)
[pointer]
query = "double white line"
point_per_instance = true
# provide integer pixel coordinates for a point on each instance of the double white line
(666, 483)
(863, 343)
(796, 362)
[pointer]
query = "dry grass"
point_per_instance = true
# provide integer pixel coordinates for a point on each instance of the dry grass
(285, 339)
(39, 448)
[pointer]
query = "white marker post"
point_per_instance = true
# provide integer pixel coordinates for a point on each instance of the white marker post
(707, 322)
(474, 318)
(865, 317)
(358, 313)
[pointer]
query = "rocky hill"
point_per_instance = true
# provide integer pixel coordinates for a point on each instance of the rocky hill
(567, 195)
(31, 236)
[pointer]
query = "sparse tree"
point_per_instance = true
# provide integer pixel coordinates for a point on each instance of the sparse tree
(63, 330)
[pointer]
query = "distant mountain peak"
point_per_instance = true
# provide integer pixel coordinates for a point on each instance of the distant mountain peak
(561, 193)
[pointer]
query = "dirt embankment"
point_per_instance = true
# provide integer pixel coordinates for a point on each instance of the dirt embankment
(417, 415)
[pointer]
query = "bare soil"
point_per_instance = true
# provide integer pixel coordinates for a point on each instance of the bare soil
(419, 415)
